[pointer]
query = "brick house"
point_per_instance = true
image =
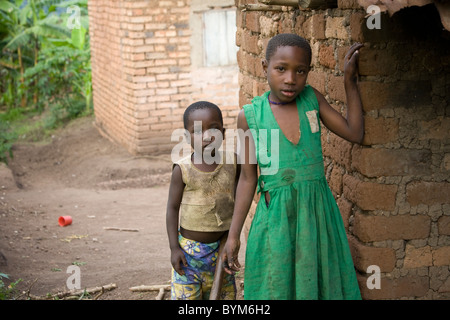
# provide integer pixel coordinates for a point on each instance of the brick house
(150, 61)
(393, 190)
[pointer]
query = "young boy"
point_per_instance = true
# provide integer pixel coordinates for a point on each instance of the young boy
(201, 197)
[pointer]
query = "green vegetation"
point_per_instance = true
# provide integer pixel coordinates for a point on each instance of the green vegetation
(45, 69)
(7, 292)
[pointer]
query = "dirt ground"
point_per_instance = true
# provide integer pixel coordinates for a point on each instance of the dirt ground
(84, 175)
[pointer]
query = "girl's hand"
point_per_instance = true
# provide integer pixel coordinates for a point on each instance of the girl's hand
(178, 259)
(351, 62)
(230, 256)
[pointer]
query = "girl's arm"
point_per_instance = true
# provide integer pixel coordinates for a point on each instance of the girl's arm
(352, 128)
(173, 206)
(245, 192)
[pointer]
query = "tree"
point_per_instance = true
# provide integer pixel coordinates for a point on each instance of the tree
(24, 23)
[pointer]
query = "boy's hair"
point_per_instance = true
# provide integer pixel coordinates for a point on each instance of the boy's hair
(287, 40)
(198, 106)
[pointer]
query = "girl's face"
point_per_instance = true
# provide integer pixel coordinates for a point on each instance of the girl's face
(286, 73)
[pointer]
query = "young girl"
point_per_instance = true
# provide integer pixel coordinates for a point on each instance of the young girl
(200, 206)
(297, 246)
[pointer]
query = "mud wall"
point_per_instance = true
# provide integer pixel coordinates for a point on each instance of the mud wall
(393, 190)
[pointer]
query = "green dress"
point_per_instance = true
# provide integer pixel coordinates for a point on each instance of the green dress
(297, 246)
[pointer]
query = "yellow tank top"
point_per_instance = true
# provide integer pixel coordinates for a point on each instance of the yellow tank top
(208, 197)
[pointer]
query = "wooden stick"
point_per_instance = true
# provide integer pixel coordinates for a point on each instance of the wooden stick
(216, 288)
(120, 229)
(160, 295)
(150, 288)
(61, 295)
(260, 7)
(100, 294)
(291, 3)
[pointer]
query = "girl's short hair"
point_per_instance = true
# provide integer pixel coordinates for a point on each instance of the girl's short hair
(287, 40)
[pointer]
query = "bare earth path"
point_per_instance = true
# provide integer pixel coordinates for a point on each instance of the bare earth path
(82, 174)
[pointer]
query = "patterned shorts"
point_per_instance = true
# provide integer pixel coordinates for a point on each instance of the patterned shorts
(197, 281)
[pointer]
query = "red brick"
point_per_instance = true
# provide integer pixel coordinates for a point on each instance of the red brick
(380, 130)
(317, 80)
(369, 228)
(365, 256)
(370, 195)
(404, 287)
(137, 57)
(250, 42)
(335, 28)
(244, 98)
(444, 225)
(301, 28)
(285, 25)
(375, 95)
(239, 37)
(247, 62)
(318, 26)
(337, 149)
(357, 25)
(429, 193)
(377, 61)
(438, 129)
(240, 17)
(391, 162)
(336, 88)
(252, 20)
(417, 257)
(349, 4)
(441, 256)
(247, 85)
(326, 56)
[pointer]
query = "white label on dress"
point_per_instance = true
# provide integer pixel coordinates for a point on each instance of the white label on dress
(313, 122)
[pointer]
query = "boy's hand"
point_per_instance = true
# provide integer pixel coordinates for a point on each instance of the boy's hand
(351, 62)
(178, 259)
(230, 256)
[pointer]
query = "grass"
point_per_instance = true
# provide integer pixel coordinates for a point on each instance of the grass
(31, 125)
(25, 126)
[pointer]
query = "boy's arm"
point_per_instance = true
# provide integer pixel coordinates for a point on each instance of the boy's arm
(245, 192)
(173, 206)
(352, 128)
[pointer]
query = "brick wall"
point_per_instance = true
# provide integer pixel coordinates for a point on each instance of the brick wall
(142, 75)
(220, 86)
(140, 65)
(393, 190)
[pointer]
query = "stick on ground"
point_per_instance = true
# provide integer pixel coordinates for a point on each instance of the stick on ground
(219, 273)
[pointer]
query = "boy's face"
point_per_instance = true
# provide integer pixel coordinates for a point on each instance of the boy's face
(286, 73)
(205, 127)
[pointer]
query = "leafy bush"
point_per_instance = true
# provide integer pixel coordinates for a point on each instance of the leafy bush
(6, 141)
(7, 292)
(45, 60)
